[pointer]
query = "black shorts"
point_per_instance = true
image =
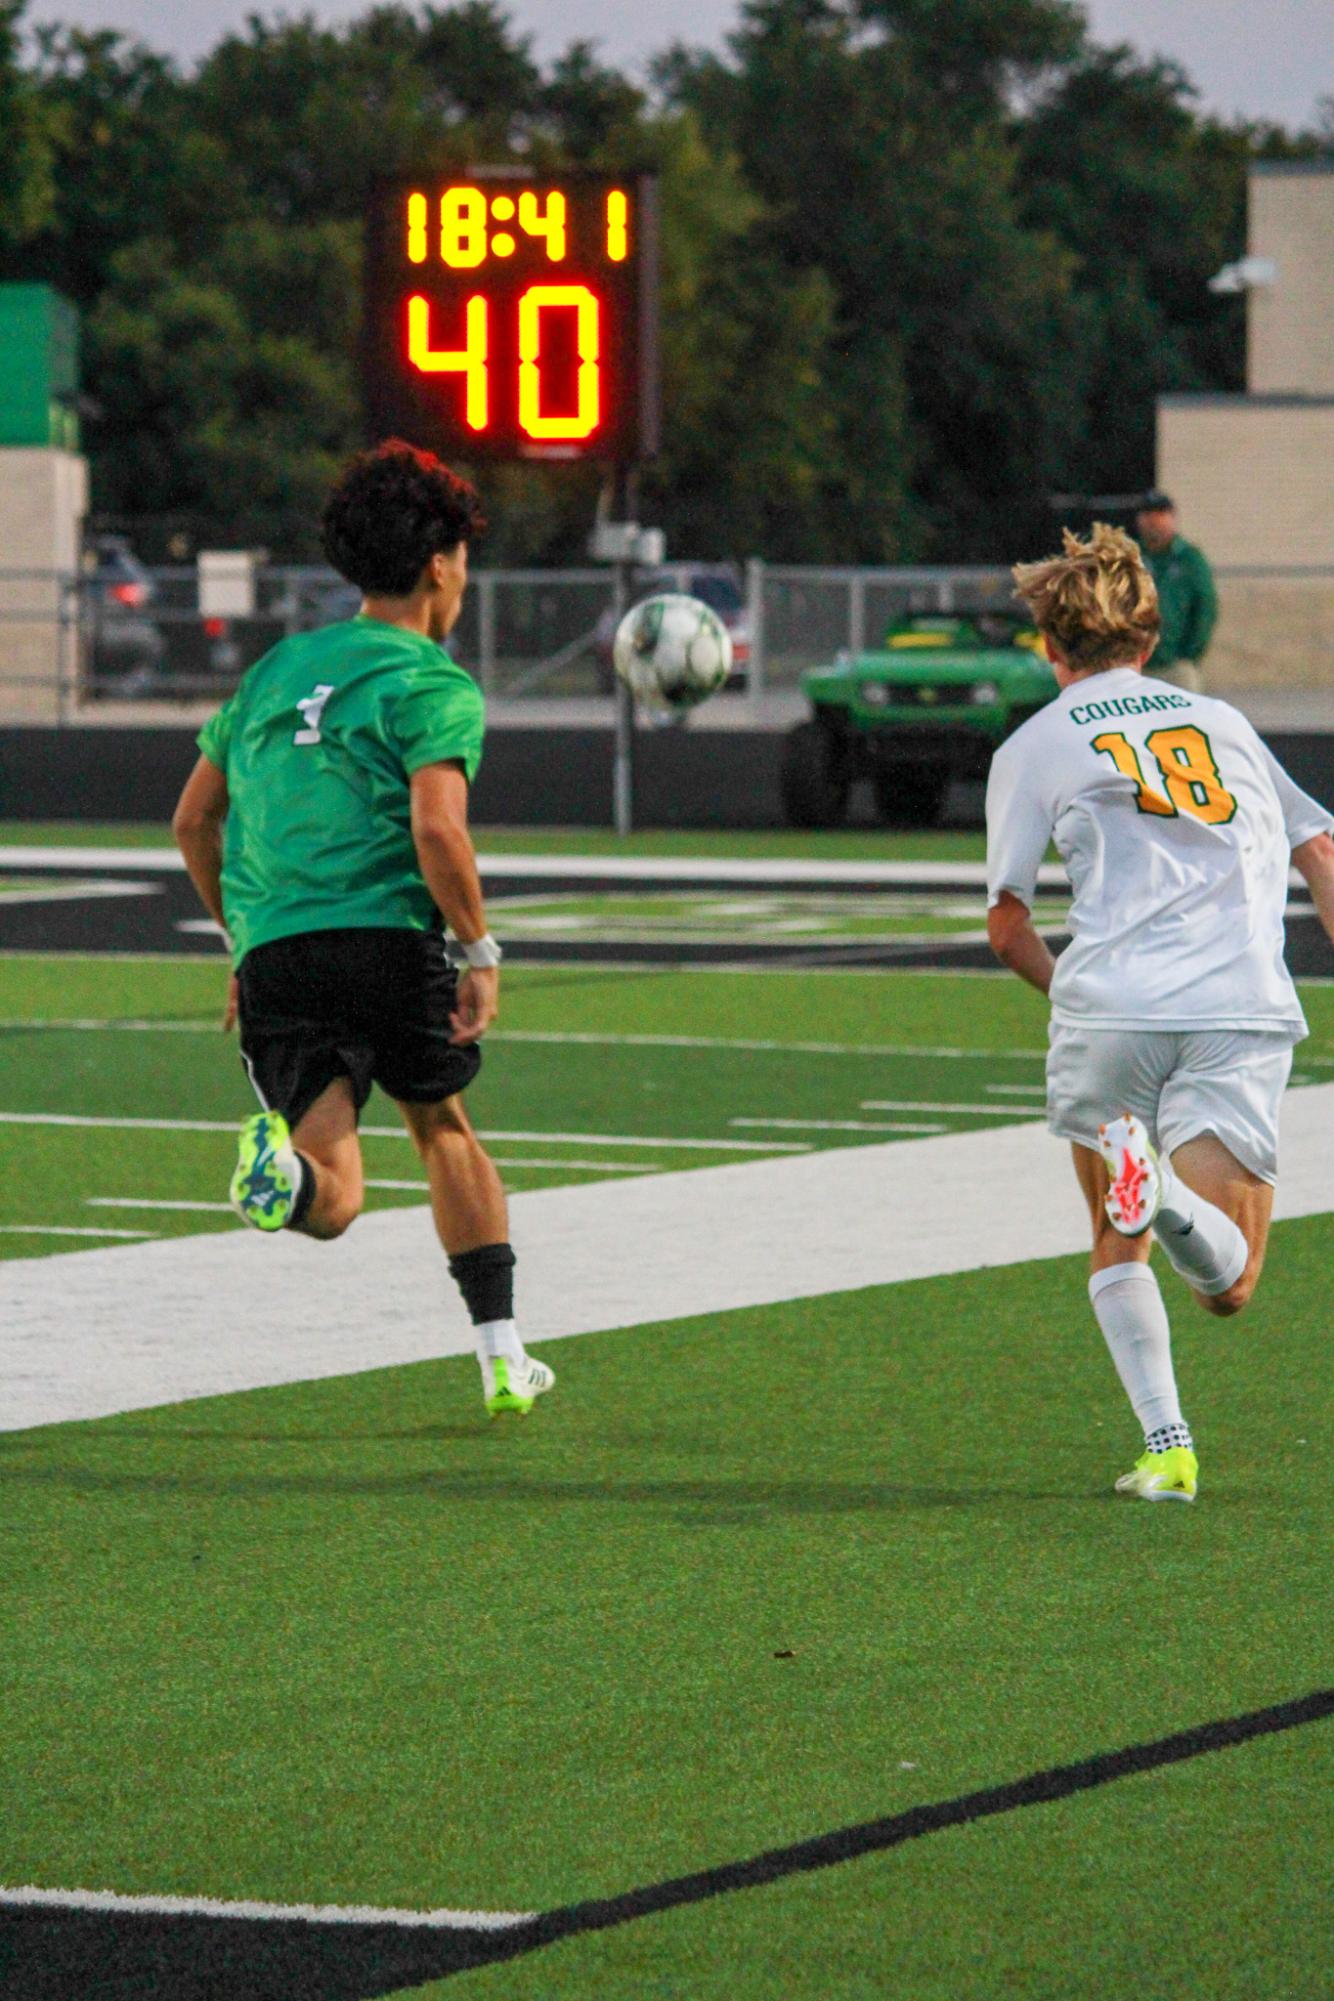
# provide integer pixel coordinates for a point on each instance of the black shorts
(372, 1006)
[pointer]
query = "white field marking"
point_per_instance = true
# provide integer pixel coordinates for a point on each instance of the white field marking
(86, 1024)
(609, 868)
(615, 969)
(523, 1160)
(153, 1202)
(839, 1125)
(925, 1105)
(205, 927)
(591, 1039)
(587, 868)
(217, 1907)
(106, 1330)
(396, 1132)
(64, 1230)
(772, 1045)
(76, 892)
(1018, 1090)
(153, 859)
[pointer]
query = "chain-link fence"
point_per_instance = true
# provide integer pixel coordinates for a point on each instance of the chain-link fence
(129, 635)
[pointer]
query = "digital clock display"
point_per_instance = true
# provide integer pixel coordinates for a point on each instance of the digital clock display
(512, 317)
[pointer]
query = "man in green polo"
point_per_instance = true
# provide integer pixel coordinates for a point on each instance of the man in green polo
(325, 828)
(1187, 600)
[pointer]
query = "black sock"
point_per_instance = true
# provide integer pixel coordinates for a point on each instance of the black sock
(305, 1195)
(485, 1277)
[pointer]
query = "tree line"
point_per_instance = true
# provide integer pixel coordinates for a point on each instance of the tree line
(924, 261)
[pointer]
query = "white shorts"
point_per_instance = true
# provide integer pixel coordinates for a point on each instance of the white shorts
(1225, 1081)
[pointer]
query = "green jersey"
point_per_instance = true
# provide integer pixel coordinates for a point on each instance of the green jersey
(1187, 602)
(318, 745)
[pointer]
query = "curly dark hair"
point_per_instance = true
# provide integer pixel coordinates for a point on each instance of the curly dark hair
(391, 511)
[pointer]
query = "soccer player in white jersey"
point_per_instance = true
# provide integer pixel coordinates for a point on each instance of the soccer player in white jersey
(1173, 1016)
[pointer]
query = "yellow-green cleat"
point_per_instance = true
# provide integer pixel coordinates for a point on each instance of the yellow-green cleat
(512, 1388)
(268, 1173)
(1162, 1476)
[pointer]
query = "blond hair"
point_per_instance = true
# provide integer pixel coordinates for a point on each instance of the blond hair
(1097, 601)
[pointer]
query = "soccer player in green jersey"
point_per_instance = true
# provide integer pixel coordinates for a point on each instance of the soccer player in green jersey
(325, 827)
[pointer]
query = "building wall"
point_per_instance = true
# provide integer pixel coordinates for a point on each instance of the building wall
(1253, 478)
(43, 499)
(1272, 632)
(1290, 324)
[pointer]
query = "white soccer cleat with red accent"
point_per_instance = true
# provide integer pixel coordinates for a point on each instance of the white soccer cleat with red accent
(1134, 1172)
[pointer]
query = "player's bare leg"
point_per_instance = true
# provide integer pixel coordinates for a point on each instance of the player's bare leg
(1129, 1308)
(1207, 1167)
(326, 1139)
(467, 1199)
(472, 1222)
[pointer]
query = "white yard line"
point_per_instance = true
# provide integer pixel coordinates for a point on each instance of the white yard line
(766, 1045)
(839, 1125)
(76, 892)
(216, 1907)
(85, 1024)
(156, 1202)
(64, 1230)
(583, 868)
(928, 1105)
(608, 868)
(527, 1160)
(112, 1330)
(591, 1039)
(658, 1144)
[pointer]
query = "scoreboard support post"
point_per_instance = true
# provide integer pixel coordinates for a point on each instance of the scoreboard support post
(616, 540)
(623, 769)
(513, 315)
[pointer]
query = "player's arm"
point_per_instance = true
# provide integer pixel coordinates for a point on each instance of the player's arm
(1314, 862)
(1017, 944)
(1019, 826)
(448, 862)
(197, 824)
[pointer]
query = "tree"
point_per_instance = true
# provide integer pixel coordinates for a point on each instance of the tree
(1149, 201)
(27, 179)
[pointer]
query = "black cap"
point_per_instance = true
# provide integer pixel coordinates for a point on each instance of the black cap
(1155, 501)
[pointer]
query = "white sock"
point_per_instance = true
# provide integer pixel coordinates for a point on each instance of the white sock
(1201, 1244)
(1133, 1319)
(498, 1338)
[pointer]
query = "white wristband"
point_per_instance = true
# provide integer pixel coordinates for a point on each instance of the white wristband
(479, 952)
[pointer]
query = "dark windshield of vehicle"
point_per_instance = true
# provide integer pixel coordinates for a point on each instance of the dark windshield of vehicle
(719, 593)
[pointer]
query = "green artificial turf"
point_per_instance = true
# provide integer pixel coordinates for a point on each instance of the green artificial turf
(565, 1070)
(744, 1579)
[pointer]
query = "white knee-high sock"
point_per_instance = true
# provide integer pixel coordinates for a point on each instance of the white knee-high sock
(1201, 1244)
(1133, 1319)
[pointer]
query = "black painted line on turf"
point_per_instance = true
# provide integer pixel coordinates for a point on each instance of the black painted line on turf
(873, 1837)
(60, 1955)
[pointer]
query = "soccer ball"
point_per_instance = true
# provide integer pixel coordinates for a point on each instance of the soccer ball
(673, 651)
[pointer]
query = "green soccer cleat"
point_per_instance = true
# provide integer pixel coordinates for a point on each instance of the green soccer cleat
(268, 1173)
(1162, 1476)
(512, 1388)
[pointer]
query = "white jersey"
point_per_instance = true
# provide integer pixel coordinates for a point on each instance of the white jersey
(1176, 826)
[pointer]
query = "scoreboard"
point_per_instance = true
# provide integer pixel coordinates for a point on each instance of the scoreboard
(513, 317)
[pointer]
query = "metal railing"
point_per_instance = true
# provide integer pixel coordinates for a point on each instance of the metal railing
(69, 648)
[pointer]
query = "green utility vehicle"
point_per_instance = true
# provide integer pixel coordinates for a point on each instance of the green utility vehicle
(930, 707)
